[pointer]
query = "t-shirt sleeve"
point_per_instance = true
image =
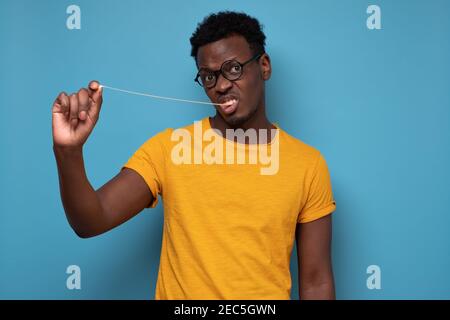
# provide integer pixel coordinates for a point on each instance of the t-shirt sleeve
(148, 162)
(319, 201)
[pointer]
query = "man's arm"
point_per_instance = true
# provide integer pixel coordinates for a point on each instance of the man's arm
(88, 211)
(315, 272)
(92, 212)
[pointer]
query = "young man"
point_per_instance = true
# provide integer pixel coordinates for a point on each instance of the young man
(228, 227)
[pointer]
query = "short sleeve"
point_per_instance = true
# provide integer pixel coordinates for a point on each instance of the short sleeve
(319, 201)
(148, 162)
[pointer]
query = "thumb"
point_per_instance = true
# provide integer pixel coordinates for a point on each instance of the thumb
(95, 91)
(95, 94)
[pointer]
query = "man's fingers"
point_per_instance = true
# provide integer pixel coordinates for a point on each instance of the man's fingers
(73, 109)
(77, 106)
(62, 101)
(83, 103)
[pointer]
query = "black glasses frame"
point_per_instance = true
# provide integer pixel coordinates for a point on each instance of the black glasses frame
(219, 72)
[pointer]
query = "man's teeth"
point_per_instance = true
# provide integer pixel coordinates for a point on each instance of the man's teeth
(229, 103)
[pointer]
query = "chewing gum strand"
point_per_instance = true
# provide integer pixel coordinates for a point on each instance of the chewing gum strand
(164, 98)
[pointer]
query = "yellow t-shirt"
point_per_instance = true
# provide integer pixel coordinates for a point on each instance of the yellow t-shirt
(229, 229)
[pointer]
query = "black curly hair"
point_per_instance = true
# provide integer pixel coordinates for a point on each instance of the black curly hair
(222, 24)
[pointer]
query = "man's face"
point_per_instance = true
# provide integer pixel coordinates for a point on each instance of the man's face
(248, 90)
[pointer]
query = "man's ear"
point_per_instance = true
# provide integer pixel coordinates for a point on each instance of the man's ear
(266, 67)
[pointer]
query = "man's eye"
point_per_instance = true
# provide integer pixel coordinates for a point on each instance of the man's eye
(209, 77)
(236, 69)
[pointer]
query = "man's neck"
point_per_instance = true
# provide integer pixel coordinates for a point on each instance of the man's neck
(257, 121)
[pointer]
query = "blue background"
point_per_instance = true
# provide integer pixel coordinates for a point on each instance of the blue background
(374, 102)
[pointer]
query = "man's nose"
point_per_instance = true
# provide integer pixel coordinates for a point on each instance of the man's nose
(223, 84)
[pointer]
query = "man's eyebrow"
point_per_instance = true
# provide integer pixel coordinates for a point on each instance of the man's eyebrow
(207, 68)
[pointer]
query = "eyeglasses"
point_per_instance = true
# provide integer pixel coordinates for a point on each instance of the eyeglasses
(231, 70)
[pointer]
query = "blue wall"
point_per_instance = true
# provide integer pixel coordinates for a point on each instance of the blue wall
(374, 102)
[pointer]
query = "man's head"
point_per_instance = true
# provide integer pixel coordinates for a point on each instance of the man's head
(232, 36)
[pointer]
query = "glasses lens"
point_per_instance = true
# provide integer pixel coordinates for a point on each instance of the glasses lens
(232, 70)
(208, 79)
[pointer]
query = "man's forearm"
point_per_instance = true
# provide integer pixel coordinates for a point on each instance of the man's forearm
(322, 291)
(81, 203)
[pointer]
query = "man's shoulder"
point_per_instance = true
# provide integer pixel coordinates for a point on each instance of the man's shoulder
(298, 147)
(167, 133)
(170, 134)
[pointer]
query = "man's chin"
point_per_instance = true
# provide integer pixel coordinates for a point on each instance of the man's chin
(235, 120)
(241, 120)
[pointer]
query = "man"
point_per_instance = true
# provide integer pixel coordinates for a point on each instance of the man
(228, 227)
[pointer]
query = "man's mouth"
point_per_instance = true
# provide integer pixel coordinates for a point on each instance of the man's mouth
(229, 106)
